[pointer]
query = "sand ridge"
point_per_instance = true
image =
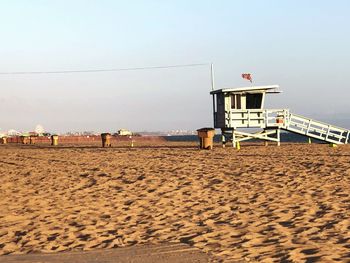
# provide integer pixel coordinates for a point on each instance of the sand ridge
(257, 204)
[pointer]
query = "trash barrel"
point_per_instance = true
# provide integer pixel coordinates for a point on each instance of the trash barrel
(54, 140)
(106, 139)
(3, 140)
(24, 139)
(206, 136)
(32, 139)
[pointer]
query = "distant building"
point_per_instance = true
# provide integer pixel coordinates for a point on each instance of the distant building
(124, 132)
(39, 130)
(13, 133)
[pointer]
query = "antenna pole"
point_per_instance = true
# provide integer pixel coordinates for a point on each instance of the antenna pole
(212, 76)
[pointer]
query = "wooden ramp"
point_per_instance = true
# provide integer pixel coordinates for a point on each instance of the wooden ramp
(316, 129)
(173, 253)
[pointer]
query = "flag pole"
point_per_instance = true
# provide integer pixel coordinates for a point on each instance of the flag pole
(212, 76)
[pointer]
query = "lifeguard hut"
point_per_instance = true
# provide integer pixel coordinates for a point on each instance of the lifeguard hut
(242, 108)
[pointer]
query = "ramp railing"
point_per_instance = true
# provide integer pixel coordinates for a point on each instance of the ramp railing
(316, 129)
(283, 119)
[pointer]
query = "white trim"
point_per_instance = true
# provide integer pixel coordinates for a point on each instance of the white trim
(268, 89)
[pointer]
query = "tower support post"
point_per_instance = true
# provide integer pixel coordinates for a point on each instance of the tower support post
(233, 139)
(278, 134)
(223, 138)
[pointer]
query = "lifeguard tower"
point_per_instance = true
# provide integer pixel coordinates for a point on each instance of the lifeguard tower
(242, 108)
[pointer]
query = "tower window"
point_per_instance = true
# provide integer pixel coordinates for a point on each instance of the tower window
(254, 101)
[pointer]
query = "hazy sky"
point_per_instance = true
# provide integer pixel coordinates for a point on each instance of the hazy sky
(301, 45)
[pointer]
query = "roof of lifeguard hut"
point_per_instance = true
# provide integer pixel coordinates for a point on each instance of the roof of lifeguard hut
(253, 89)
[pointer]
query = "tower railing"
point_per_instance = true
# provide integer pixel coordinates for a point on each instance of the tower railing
(257, 118)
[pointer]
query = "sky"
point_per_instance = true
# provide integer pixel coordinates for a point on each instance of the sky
(303, 46)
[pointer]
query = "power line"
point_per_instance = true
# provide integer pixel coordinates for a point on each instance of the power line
(102, 70)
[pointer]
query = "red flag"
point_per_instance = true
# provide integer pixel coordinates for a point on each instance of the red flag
(247, 76)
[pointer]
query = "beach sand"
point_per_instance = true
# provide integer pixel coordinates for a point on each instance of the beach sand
(260, 203)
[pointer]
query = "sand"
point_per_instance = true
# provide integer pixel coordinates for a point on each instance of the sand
(169, 253)
(261, 203)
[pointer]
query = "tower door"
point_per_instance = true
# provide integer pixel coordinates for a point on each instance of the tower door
(220, 111)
